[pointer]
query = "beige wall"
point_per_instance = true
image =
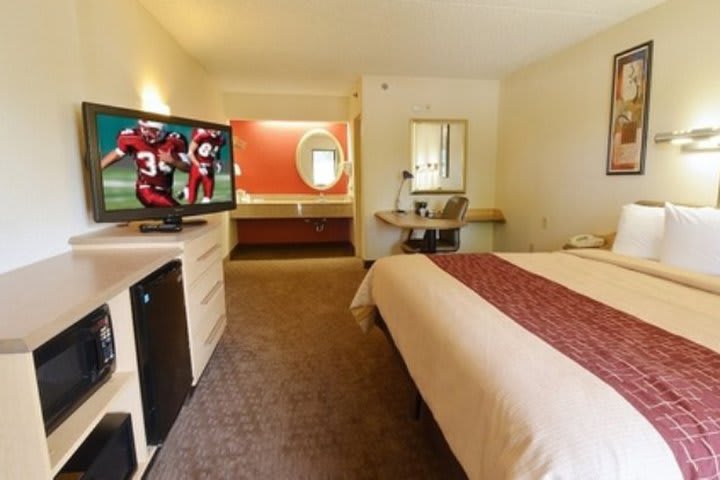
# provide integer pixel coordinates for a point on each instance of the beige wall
(386, 115)
(124, 49)
(553, 128)
(57, 55)
(552, 122)
(249, 106)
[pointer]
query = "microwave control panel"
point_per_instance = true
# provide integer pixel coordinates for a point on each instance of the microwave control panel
(106, 341)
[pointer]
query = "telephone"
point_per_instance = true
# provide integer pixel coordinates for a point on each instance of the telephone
(586, 240)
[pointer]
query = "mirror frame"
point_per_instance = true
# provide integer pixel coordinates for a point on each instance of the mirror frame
(340, 169)
(456, 156)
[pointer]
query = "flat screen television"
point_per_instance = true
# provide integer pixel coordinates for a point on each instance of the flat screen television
(150, 166)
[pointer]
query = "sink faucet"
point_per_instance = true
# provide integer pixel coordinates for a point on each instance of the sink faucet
(242, 195)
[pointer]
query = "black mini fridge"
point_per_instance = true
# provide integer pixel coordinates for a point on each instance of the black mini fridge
(163, 350)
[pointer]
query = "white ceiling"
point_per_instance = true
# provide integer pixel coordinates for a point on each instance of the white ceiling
(324, 46)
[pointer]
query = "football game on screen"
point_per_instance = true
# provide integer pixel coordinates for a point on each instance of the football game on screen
(149, 163)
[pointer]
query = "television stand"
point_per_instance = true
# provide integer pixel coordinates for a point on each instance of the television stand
(169, 224)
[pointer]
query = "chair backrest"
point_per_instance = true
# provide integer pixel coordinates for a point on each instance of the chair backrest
(455, 208)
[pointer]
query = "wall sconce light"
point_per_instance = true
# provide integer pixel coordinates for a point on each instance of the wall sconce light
(405, 176)
(152, 102)
(696, 140)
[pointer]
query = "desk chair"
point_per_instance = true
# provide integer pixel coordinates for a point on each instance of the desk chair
(447, 240)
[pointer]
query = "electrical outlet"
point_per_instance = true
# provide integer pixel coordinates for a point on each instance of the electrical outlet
(531, 247)
(543, 223)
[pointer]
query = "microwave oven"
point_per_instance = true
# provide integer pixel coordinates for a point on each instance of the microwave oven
(73, 364)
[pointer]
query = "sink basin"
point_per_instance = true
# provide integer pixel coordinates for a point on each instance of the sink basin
(287, 208)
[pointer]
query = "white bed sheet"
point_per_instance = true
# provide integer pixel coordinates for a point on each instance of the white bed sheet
(512, 407)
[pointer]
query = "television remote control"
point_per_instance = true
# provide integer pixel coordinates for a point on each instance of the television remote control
(160, 227)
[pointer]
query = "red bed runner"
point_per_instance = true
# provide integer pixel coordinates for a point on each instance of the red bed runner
(672, 381)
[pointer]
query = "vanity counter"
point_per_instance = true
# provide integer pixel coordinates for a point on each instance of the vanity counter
(293, 218)
(289, 208)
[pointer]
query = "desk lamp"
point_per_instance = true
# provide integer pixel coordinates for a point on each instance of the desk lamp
(405, 176)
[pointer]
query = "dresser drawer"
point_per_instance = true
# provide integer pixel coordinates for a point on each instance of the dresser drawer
(203, 313)
(199, 255)
(204, 294)
(206, 315)
(203, 347)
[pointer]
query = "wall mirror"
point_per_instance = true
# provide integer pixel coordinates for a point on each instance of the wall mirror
(319, 159)
(438, 155)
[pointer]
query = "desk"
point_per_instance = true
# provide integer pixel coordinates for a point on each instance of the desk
(416, 222)
(481, 215)
(409, 219)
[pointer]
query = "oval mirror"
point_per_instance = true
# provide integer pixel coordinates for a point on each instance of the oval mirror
(319, 159)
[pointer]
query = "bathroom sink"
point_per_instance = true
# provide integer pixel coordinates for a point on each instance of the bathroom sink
(297, 208)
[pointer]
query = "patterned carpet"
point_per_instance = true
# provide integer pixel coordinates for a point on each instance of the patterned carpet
(296, 391)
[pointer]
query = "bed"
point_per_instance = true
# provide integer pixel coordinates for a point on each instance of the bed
(579, 364)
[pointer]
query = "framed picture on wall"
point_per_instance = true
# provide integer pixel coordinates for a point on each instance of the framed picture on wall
(629, 110)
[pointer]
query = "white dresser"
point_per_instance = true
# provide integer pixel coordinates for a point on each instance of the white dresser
(41, 300)
(203, 279)
(45, 298)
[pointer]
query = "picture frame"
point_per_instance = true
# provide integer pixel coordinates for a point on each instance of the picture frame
(627, 137)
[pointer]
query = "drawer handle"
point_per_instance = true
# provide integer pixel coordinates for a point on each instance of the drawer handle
(211, 293)
(217, 328)
(208, 253)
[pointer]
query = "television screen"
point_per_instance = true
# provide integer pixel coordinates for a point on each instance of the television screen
(150, 166)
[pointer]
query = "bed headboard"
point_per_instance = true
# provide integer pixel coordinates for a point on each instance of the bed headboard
(656, 203)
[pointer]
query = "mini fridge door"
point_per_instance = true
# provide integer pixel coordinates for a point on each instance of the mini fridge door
(163, 349)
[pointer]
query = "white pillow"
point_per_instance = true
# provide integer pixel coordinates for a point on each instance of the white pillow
(640, 231)
(692, 238)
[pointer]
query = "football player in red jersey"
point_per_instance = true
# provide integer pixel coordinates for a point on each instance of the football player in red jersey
(157, 155)
(203, 152)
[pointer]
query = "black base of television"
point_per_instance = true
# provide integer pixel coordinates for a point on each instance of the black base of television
(169, 224)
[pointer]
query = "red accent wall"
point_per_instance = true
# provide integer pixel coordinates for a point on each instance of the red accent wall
(265, 153)
(291, 230)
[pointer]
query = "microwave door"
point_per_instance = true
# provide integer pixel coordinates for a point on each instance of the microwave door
(66, 372)
(62, 374)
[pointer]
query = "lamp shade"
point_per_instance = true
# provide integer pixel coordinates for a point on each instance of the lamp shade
(406, 175)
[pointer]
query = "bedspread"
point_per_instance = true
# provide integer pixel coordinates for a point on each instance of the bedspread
(510, 404)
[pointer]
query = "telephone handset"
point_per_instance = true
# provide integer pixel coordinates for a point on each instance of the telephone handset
(586, 240)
